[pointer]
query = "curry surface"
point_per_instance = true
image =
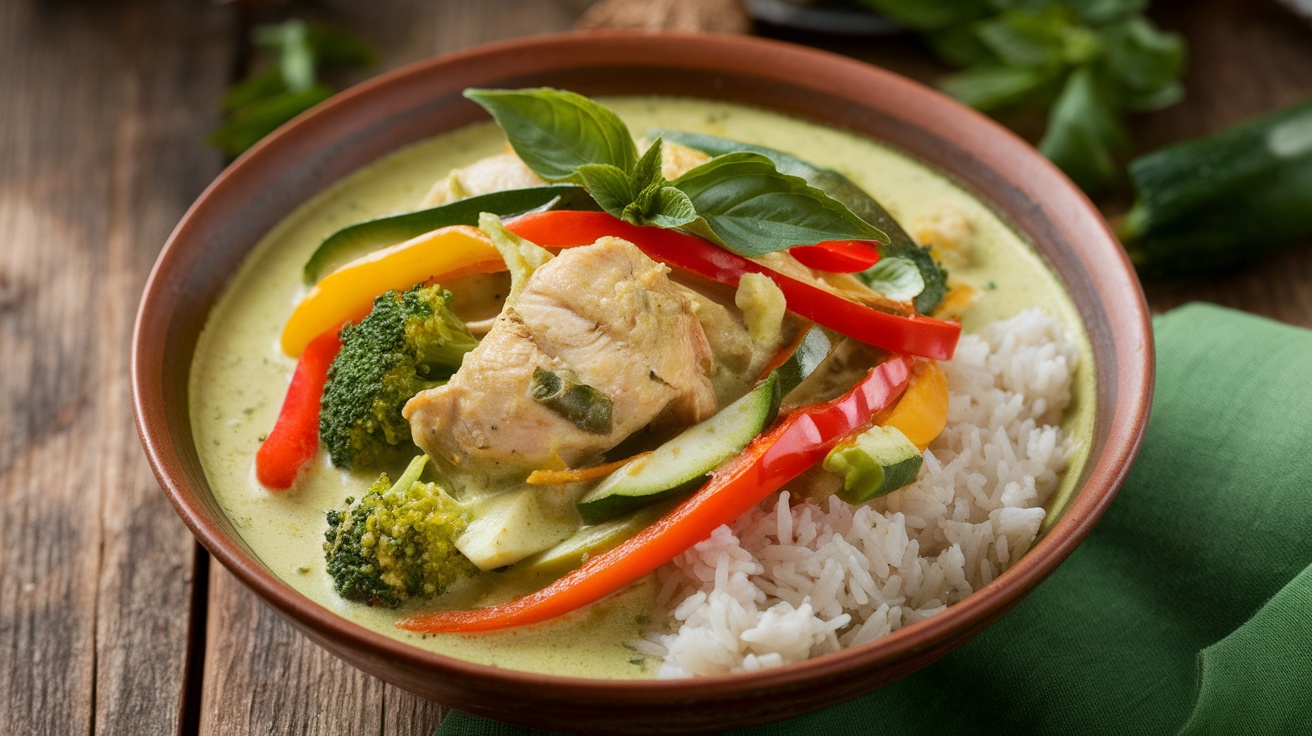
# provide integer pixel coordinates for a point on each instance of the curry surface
(239, 373)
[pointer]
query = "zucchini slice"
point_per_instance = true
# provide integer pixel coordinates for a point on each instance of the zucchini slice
(683, 463)
(356, 240)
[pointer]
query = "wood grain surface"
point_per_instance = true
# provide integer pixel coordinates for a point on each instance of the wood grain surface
(111, 618)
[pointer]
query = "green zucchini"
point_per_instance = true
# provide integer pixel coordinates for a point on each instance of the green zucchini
(875, 463)
(509, 526)
(842, 189)
(683, 462)
(590, 540)
(356, 240)
(1209, 204)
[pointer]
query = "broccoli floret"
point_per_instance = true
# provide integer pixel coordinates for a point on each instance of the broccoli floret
(397, 542)
(410, 342)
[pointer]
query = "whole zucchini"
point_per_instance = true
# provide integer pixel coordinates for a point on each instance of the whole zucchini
(1211, 203)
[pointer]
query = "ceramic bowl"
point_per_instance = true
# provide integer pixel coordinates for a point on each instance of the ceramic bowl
(422, 100)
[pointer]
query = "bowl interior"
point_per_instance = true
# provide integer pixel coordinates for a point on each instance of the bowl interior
(415, 103)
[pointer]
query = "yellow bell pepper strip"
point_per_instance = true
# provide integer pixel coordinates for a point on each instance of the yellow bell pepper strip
(922, 336)
(294, 439)
(347, 294)
(922, 412)
(775, 457)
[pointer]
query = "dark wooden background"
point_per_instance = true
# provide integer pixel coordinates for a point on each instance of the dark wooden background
(112, 619)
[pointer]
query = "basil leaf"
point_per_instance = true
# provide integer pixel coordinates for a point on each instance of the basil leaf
(830, 182)
(990, 88)
(259, 87)
(1146, 62)
(295, 56)
(1083, 132)
(555, 132)
(753, 209)
(661, 205)
(932, 273)
(930, 14)
(1106, 11)
(648, 169)
(1027, 39)
(245, 127)
(895, 278)
(334, 47)
(959, 46)
(608, 185)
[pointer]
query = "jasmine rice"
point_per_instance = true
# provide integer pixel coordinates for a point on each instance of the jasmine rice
(796, 579)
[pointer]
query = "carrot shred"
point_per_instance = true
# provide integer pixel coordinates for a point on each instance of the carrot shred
(545, 477)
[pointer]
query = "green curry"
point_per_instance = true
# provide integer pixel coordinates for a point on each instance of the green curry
(239, 373)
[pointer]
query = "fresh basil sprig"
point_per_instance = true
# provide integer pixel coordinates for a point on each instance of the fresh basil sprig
(1088, 63)
(742, 199)
(739, 200)
(641, 197)
(290, 85)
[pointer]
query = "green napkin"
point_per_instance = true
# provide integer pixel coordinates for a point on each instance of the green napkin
(1188, 608)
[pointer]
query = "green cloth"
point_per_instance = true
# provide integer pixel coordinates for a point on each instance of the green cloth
(1188, 607)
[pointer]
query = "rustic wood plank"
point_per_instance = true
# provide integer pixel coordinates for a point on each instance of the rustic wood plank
(263, 677)
(173, 58)
(94, 590)
(409, 714)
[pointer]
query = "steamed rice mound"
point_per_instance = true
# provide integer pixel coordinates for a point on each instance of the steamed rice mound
(793, 580)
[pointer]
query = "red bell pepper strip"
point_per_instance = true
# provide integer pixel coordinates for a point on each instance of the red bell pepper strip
(295, 436)
(837, 256)
(916, 335)
(794, 444)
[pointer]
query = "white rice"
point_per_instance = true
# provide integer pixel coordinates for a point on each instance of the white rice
(793, 580)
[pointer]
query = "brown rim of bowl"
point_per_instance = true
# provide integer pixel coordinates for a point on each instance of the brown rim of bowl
(1040, 192)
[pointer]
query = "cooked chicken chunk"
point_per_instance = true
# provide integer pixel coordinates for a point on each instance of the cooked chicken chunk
(605, 314)
(484, 176)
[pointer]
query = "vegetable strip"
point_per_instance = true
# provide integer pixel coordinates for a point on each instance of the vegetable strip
(921, 336)
(837, 256)
(547, 477)
(922, 412)
(796, 443)
(347, 294)
(294, 439)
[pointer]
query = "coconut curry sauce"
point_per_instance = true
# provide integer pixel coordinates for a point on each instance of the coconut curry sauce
(240, 374)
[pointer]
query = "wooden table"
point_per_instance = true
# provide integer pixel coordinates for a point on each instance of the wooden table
(112, 619)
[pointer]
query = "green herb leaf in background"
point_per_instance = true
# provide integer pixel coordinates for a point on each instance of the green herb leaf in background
(268, 98)
(290, 40)
(1087, 63)
(1083, 135)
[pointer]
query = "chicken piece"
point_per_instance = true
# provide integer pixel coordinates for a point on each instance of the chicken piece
(678, 159)
(949, 233)
(604, 313)
(492, 174)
